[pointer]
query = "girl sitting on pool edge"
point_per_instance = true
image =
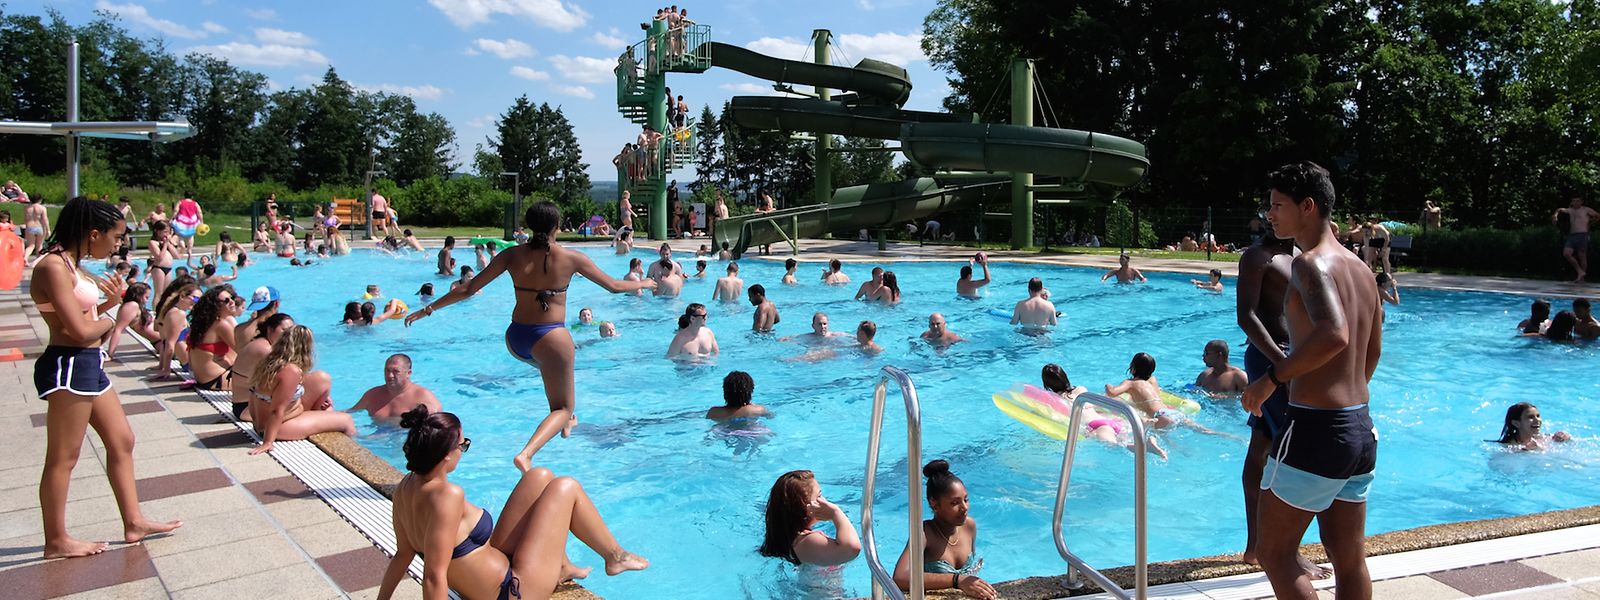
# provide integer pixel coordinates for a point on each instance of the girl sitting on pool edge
(1522, 427)
(949, 556)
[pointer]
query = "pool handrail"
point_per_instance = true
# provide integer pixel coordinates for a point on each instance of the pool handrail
(1074, 563)
(883, 580)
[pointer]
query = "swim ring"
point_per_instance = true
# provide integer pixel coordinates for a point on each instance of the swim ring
(11, 259)
(499, 243)
(399, 306)
(186, 230)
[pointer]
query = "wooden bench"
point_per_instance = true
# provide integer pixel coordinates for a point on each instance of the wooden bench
(351, 212)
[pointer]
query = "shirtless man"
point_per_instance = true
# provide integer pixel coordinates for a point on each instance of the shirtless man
(699, 269)
(398, 393)
(447, 263)
(869, 288)
(1336, 336)
(1213, 284)
(380, 213)
(1376, 249)
(1035, 313)
(1576, 246)
(726, 253)
(819, 331)
(1587, 328)
(625, 211)
(729, 288)
(161, 253)
(966, 287)
(668, 276)
(411, 241)
(1263, 284)
(35, 226)
(1124, 273)
(693, 339)
(834, 274)
(623, 243)
(1219, 377)
(938, 335)
(1432, 215)
(789, 267)
(665, 264)
(766, 311)
(719, 212)
(864, 334)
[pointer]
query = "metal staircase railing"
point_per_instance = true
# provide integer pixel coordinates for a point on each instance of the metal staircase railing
(684, 50)
(882, 579)
(1075, 564)
(645, 170)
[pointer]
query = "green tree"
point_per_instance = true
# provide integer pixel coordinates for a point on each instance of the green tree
(861, 168)
(332, 148)
(537, 142)
(708, 155)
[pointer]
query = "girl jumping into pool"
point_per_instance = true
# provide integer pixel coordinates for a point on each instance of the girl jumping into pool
(1522, 428)
(540, 273)
(949, 556)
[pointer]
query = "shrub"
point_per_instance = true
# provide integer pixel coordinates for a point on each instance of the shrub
(1531, 251)
(1119, 228)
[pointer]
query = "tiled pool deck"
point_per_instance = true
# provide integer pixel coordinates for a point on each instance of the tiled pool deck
(253, 530)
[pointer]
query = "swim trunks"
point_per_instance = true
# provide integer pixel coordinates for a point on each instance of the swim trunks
(1323, 455)
(1578, 241)
(1377, 242)
(77, 370)
(1273, 412)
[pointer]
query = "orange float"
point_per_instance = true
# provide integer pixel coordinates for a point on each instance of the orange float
(11, 260)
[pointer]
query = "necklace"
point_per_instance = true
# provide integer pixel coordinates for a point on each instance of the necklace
(950, 538)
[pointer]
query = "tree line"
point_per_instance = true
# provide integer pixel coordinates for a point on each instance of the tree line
(744, 162)
(1489, 108)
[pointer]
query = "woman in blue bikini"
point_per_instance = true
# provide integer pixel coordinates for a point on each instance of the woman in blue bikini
(540, 272)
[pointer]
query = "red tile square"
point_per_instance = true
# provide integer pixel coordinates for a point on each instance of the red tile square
(1498, 577)
(178, 484)
(355, 570)
(225, 440)
(65, 576)
(278, 489)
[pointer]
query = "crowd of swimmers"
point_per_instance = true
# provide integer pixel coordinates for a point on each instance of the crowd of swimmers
(266, 364)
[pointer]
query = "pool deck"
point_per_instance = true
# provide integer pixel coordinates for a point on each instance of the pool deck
(252, 529)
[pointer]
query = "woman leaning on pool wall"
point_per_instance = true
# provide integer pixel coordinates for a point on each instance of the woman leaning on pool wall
(951, 536)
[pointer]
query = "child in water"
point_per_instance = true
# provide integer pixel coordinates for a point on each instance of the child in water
(1105, 428)
(1522, 428)
(1144, 394)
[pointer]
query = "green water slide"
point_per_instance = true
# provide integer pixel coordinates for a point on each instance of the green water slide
(1086, 164)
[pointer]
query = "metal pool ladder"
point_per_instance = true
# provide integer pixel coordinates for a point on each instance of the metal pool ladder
(1076, 565)
(882, 579)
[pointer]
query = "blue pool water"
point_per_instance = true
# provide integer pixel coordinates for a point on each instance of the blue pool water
(676, 490)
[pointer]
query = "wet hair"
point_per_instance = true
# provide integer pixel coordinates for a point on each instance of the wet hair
(368, 312)
(1580, 304)
(224, 237)
(1540, 312)
(541, 218)
(835, 265)
(940, 480)
(425, 290)
(1035, 285)
(209, 270)
(465, 270)
(271, 323)
(1383, 278)
(1142, 366)
(724, 245)
(1218, 346)
(406, 232)
(80, 217)
(634, 262)
(431, 438)
(787, 514)
(1508, 430)
(208, 311)
(1305, 179)
(1055, 379)
(892, 282)
(683, 321)
(1217, 273)
(789, 263)
(758, 290)
(966, 271)
(243, 258)
(352, 312)
(449, 241)
(737, 388)
(1561, 326)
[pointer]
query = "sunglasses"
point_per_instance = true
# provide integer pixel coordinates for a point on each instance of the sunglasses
(466, 444)
(698, 316)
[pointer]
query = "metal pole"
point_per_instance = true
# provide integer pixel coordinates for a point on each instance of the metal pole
(1208, 233)
(824, 145)
(1021, 114)
(72, 117)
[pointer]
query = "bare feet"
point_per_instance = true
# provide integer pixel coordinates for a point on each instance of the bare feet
(524, 461)
(70, 548)
(134, 532)
(1156, 446)
(624, 560)
(572, 422)
(1313, 570)
(1249, 558)
(571, 571)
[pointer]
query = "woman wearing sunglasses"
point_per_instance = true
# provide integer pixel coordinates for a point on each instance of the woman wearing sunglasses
(211, 332)
(172, 322)
(292, 402)
(463, 549)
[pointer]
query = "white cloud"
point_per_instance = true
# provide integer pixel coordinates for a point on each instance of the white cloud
(551, 14)
(268, 35)
(747, 88)
(789, 48)
(507, 49)
(137, 15)
(481, 121)
(610, 39)
(263, 55)
(264, 14)
(213, 27)
(420, 92)
(575, 90)
(529, 74)
(584, 69)
(889, 47)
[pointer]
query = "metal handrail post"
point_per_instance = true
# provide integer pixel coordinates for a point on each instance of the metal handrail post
(882, 579)
(1075, 564)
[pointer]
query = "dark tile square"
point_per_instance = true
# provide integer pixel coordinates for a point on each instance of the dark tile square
(66, 576)
(131, 408)
(178, 484)
(355, 570)
(278, 489)
(225, 440)
(1498, 577)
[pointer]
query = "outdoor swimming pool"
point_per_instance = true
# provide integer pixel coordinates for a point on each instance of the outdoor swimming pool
(676, 490)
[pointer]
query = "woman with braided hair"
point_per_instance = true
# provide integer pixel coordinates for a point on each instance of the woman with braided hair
(540, 272)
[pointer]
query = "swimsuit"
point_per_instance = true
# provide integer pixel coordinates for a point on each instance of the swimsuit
(1377, 242)
(511, 586)
(1332, 457)
(77, 370)
(1578, 241)
(521, 337)
(1114, 424)
(942, 566)
(86, 293)
(1274, 412)
(299, 391)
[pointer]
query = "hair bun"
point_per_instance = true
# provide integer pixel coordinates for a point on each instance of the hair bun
(414, 417)
(937, 468)
(539, 240)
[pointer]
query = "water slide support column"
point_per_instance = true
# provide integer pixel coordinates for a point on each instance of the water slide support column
(1021, 114)
(824, 143)
(657, 113)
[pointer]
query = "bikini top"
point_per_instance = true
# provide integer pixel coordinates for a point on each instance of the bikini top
(218, 348)
(476, 539)
(299, 391)
(87, 294)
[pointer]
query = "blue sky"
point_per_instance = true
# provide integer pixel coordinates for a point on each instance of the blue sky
(469, 59)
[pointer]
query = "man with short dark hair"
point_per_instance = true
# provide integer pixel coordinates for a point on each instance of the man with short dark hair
(1587, 328)
(766, 312)
(1035, 312)
(966, 286)
(1219, 377)
(447, 263)
(1324, 470)
(870, 287)
(1575, 248)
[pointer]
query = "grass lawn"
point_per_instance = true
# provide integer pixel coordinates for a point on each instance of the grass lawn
(1103, 251)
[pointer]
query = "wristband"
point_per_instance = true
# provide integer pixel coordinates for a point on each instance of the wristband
(1272, 373)
(955, 582)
